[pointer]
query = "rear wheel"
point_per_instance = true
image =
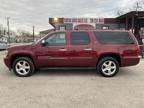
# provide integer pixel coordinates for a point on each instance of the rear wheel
(23, 67)
(108, 67)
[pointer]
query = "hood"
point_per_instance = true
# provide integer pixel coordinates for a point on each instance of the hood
(19, 47)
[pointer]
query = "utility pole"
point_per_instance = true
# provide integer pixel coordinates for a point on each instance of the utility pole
(8, 29)
(33, 32)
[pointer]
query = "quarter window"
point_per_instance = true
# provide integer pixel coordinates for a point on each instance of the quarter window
(113, 37)
(56, 39)
(79, 38)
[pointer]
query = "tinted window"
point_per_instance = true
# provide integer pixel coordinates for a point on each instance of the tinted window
(79, 38)
(56, 39)
(113, 37)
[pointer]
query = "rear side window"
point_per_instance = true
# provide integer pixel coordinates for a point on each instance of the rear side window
(79, 38)
(113, 37)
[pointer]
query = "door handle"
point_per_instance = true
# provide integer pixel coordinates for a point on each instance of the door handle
(88, 49)
(62, 49)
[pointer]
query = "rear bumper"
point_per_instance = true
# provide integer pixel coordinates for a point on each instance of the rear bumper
(7, 62)
(130, 61)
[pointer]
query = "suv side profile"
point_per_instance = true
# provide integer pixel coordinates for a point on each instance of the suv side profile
(107, 50)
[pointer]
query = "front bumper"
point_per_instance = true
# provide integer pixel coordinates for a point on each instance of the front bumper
(7, 62)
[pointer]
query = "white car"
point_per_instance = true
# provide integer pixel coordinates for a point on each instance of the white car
(3, 45)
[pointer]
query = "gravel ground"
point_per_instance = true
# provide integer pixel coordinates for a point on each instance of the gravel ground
(72, 89)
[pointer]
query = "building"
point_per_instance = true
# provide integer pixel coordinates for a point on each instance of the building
(133, 21)
(84, 23)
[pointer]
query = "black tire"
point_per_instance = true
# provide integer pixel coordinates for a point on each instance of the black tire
(105, 70)
(28, 63)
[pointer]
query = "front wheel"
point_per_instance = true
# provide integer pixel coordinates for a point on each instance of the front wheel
(23, 67)
(108, 67)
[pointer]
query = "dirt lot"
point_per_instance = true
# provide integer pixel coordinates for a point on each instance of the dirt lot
(72, 89)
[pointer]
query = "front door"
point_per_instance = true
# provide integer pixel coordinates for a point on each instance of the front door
(54, 52)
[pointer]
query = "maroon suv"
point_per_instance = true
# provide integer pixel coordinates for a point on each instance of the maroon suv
(105, 50)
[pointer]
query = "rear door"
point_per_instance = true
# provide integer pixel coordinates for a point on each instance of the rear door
(80, 49)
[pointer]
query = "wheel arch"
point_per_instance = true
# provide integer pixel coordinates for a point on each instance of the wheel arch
(113, 55)
(17, 55)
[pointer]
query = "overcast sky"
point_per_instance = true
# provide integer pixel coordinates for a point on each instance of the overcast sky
(25, 13)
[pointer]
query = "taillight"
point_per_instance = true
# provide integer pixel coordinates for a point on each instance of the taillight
(137, 50)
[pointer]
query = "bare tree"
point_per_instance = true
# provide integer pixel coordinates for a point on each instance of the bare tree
(120, 12)
(23, 33)
(2, 30)
(137, 6)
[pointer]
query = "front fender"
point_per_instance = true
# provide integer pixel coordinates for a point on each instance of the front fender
(22, 53)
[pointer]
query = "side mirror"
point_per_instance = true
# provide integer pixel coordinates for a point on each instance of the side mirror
(43, 42)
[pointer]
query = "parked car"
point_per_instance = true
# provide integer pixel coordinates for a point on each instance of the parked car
(106, 50)
(3, 45)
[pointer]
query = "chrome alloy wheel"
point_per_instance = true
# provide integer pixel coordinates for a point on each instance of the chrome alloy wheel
(22, 67)
(108, 67)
